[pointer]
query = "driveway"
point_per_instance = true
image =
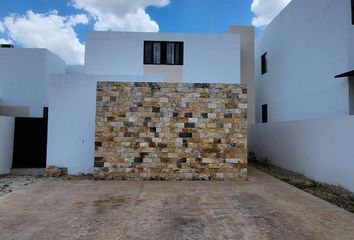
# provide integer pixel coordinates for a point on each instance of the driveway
(262, 208)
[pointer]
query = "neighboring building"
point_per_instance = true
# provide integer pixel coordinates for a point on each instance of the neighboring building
(301, 51)
(70, 94)
(24, 80)
(304, 109)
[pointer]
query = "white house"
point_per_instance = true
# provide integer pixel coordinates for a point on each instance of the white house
(24, 81)
(70, 94)
(303, 112)
(187, 56)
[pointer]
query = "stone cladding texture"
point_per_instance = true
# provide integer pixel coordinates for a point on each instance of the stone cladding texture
(171, 131)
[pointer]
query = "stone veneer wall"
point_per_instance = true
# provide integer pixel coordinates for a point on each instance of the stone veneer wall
(164, 131)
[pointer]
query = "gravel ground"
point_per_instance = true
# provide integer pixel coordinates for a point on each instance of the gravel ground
(334, 194)
(9, 184)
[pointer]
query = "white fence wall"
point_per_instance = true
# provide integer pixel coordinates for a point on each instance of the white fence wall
(71, 124)
(320, 149)
(7, 128)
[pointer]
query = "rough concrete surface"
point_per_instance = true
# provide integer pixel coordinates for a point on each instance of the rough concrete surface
(262, 208)
(336, 195)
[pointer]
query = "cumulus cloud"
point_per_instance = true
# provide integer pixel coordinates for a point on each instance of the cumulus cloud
(57, 33)
(77, 19)
(121, 15)
(266, 10)
(5, 41)
(50, 31)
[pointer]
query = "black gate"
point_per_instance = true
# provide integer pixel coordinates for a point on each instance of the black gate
(30, 143)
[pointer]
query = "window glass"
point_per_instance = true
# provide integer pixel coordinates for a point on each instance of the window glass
(353, 12)
(168, 53)
(157, 53)
(170, 57)
(148, 53)
(264, 64)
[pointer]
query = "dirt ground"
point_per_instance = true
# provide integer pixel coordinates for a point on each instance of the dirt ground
(330, 193)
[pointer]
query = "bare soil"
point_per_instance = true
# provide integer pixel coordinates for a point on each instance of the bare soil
(336, 195)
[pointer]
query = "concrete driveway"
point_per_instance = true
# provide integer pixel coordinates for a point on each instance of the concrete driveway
(262, 208)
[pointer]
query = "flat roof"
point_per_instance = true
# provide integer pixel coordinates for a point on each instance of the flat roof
(347, 74)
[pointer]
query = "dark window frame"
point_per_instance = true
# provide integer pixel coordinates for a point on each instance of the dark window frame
(264, 63)
(163, 53)
(265, 113)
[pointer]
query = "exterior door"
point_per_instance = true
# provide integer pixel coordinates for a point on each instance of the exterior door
(30, 143)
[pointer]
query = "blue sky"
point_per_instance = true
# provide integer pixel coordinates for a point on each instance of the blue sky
(198, 16)
(202, 15)
(50, 23)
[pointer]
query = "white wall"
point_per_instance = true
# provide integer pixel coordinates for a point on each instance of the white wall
(212, 59)
(307, 45)
(71, 123)
(7, 126)
(53, 65)
(320, 149)
(207, 58)
(247, 66)
(24, 77)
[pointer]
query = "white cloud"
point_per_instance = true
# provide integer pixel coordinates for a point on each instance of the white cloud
(49, 31)
(5, 41)
(121, 15)
(266, 10)
(77, 19)
(57, 33)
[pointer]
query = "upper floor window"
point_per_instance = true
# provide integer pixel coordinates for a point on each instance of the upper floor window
(264, 64)
(163, 53)
(353, 12)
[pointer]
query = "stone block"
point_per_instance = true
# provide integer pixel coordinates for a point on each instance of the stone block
(52, 171)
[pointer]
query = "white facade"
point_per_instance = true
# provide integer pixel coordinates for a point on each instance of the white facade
(309, 129)
(207, 58)
(70, 91)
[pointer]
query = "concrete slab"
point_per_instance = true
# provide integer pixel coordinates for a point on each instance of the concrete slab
(262, 208)
(27, 171)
